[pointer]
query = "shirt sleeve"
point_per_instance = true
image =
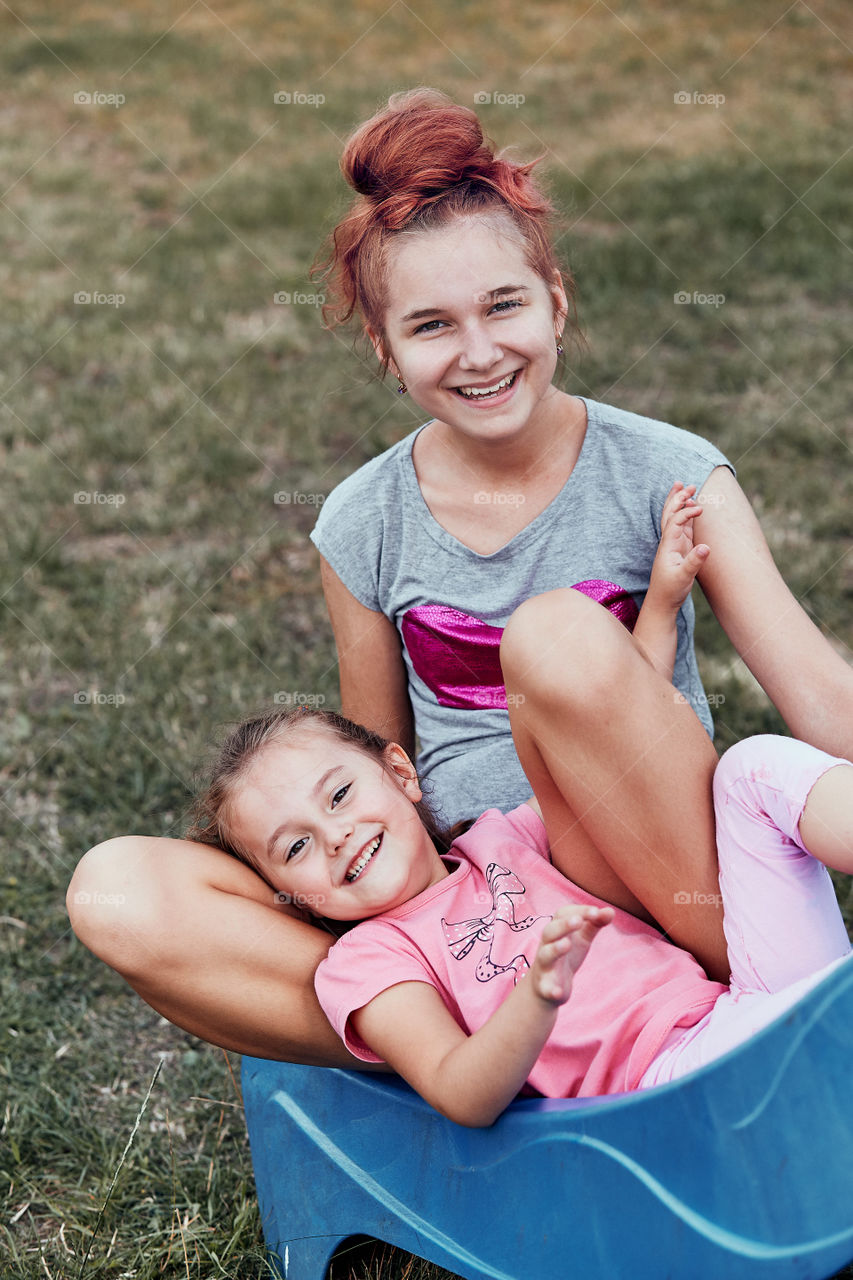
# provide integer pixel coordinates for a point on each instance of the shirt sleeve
(349, 533)
(685, 457)
(361, 965)
(530, 828)
(484, 840)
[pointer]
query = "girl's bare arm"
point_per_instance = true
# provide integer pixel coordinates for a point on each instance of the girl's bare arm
(473, 1078)
(807, 680)
(374, 684)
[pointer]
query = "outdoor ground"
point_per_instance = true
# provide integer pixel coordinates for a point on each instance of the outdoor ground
(156, 398)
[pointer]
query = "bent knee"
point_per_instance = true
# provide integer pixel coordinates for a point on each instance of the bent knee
(109, 897)
(130, 897)
(562, 642)
(769, 760)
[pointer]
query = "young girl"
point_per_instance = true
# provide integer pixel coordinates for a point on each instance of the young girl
(511, 490)
(480, 971)
(465, 974)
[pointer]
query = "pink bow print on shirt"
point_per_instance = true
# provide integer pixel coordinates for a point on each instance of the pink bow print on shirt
(463, 936)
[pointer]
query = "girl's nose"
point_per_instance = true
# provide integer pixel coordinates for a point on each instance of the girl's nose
(337, 837)
(478, 349)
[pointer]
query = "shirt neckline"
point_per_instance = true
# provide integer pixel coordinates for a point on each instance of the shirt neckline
(531, 532)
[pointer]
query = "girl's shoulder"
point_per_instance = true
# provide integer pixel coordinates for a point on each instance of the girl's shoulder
(378, 480)
(617, 428)
(520, 826)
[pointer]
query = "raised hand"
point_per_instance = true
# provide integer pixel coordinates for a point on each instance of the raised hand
(563, 947)
(678, 558)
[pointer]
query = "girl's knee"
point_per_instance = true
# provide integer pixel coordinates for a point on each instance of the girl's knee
(765, 758)
(113, 901)
(562, 642)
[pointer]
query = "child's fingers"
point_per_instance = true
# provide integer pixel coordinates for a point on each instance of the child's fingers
(677, 498)
(561, 953)
(697, 557)
(569, 920)
(672, 499)
(681, 517)
(680, 490)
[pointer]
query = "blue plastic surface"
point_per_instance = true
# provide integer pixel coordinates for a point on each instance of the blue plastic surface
(743, 1169)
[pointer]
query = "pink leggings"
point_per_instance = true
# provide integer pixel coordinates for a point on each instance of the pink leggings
(783, 927)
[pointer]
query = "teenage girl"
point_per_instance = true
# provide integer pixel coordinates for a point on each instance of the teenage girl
(511, 490)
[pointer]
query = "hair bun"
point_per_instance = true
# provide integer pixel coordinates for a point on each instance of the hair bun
(417, 165)
(420, 145)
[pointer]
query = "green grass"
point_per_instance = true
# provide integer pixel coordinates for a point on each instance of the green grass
(185, 594)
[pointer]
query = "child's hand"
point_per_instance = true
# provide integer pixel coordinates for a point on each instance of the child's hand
(565, 941)
(677, 561)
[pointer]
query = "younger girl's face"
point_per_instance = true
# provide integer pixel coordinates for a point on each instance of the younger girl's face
(332, 829)
(471, 327)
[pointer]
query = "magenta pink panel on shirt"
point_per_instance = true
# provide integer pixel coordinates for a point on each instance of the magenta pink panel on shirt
(456, 655)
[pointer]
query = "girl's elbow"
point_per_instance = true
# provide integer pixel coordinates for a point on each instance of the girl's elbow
(469, 1115)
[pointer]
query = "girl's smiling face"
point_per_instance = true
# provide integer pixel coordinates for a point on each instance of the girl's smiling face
(332, 828)
(471, 328)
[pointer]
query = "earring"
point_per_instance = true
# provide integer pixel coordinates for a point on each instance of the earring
(559, 345)
(402, 388)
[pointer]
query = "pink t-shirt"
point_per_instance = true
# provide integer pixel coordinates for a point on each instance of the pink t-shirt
(473, 936)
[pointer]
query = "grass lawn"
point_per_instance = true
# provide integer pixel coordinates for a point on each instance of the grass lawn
(156, 398)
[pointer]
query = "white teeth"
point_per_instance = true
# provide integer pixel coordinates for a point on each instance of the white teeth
(473, 392)
(355, 871)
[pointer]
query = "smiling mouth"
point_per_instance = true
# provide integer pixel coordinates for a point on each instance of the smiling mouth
(485, 393)
(361, 861)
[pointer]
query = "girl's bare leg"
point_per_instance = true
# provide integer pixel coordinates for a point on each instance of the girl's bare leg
(620, 765)
(200, 937)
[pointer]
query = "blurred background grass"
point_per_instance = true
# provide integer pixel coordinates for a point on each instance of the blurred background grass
(178, 593)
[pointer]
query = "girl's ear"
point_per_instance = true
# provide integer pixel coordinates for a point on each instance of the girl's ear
(560, 301)
(399, 764)
(383, 356)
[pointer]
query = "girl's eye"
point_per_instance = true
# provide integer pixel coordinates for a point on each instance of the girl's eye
(339, 794)
(295, 848)
(429, 327)
(507, 304)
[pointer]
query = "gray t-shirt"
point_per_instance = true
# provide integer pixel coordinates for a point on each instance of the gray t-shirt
(450, 604)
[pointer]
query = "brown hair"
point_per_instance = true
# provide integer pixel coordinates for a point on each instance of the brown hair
(418, 164)
(211, 808)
